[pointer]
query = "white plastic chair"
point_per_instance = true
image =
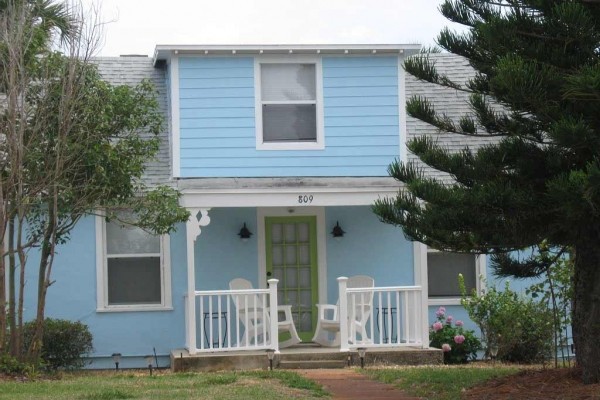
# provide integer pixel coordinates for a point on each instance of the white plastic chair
(359, 312)
(250, 309)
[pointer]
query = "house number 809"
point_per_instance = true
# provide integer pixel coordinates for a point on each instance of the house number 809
(305, 199)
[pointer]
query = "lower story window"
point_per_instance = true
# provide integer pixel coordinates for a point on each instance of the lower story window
(134, 271)
(442, 272)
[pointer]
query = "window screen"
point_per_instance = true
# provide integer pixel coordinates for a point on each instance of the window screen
(443, 269)
(288, 100)
(133, 266)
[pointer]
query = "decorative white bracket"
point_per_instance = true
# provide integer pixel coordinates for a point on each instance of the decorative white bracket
(194, 223)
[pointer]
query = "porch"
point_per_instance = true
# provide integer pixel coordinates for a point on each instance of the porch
(233, 329)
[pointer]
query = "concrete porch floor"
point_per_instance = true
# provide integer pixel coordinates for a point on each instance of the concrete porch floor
(303, 356)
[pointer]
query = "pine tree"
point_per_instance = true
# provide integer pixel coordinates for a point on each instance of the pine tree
(540, 181)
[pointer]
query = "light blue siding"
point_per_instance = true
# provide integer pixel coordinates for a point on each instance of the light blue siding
(369, 247)
(73, 297)
(218, 131)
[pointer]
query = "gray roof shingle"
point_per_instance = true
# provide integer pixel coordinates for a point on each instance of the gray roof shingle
(131, 70)
(452, 102)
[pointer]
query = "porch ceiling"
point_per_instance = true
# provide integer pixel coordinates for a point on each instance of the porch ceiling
(284, 192)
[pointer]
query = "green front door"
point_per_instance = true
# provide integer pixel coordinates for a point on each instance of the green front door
(291, 247)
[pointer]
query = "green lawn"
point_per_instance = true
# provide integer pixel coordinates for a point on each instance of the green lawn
(276, 385)
(439, 383)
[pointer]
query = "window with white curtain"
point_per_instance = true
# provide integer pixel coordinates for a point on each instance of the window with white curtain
(288, 99)
(134, 269)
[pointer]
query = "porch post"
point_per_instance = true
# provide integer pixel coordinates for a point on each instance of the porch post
(343, 313)
(193, 230)
(273, 312)
(420, 260)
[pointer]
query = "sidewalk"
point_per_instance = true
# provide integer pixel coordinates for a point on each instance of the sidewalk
(347, 384)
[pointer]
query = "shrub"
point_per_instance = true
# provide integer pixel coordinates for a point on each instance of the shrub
(519, 327)
(64, 345)
(458, 344)
(11, 366)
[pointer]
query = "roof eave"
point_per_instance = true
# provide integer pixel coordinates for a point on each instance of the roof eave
(164, 52)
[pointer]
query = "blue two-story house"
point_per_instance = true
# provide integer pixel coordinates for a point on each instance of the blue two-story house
(279, 152)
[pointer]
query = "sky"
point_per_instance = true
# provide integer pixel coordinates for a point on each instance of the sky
(137, 26)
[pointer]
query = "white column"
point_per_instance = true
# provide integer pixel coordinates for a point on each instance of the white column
(192, 232)
(273, 312)
(343, 313)
(420, 260)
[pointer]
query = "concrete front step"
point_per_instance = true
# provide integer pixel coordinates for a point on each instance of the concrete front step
(304, 357)
(312, 364)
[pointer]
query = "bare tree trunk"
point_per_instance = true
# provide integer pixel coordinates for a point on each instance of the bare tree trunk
(586, 308)
(43, 284)
(12, 314)
(3, 324)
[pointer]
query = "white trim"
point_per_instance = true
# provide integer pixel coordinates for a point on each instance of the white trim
(163, 52)
(319, 143)
(102, 305)
(420, 276)
(319, 212)
(284, 197)
(175, 117)
(402, 110)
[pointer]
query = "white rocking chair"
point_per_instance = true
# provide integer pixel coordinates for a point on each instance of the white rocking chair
(250, 311)
(328, 322)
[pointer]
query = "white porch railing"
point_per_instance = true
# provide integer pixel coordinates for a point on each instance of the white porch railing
(380, 316)
(233, 320)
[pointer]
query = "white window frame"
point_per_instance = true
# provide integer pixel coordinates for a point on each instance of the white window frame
(102, 305)
(319, 144)
(480, 276)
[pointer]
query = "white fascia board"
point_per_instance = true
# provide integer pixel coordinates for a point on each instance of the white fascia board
(288, 197)
(164, 51)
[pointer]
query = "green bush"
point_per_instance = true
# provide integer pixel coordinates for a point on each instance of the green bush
(11, 366)
(64, 345)
(458, 344)
(521, 328)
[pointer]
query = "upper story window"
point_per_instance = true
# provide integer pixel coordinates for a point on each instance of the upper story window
(133, 269)
(289, 104)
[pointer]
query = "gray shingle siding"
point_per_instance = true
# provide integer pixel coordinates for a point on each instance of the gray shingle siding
(131, 71)
(452, 102)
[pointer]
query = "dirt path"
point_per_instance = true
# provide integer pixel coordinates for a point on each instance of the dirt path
(348, 384)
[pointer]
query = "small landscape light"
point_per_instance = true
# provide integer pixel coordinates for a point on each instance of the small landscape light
(494, 352)
(361, 353)
(116, 359)
(149, 360)
(270, 356)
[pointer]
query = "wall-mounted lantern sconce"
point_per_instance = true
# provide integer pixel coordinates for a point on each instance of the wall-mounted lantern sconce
(117, 359)
(245, 233)
(337, 231)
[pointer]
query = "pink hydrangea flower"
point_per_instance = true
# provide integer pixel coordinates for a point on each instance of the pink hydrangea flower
(459, 323)
(437, 326)
(449, 319)
(440, 312)
(459, 339)
(446, 348)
